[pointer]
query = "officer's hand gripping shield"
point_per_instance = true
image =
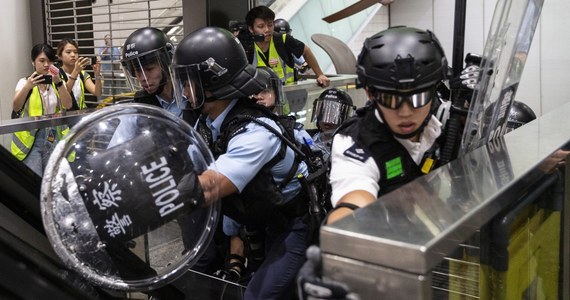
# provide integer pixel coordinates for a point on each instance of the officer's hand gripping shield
(121, 198)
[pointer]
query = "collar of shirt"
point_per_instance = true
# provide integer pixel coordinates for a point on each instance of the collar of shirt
(215, 124)
(170, 106)
(427, 138)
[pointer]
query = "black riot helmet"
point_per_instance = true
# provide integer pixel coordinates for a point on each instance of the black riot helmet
(401, 60)
(144, 50)
(333, 106)
(281, 26)
(402, 64)
(519, 115)
(211, 60)
(273, 87)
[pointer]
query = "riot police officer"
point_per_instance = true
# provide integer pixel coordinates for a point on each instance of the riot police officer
(391, 141)
(395, 139)
(146, 58)
(256, 170)
(330, 110)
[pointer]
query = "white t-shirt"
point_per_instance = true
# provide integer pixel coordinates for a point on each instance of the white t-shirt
(49, 97)
(350, 174)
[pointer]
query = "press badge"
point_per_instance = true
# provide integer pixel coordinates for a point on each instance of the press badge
(51, 136)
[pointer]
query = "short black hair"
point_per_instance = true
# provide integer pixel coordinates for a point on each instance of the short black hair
(45, 48)
(259, 12)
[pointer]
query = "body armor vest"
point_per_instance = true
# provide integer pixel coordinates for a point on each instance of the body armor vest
(261, 201)
(393, 160)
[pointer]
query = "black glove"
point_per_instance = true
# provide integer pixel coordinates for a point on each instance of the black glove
(468, 80)
(310, 285)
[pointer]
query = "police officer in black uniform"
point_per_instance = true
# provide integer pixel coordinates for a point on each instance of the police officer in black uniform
(390, 142)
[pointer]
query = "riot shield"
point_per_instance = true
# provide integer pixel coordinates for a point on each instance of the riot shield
(504, 57)
(121, 200)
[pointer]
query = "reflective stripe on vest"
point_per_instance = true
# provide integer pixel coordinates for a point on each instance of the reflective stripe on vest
(81, 103)
(22, 141)
(285, 73)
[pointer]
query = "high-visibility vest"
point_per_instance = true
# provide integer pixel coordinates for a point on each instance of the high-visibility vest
(81, 102)
(22, 141)
(285, 73)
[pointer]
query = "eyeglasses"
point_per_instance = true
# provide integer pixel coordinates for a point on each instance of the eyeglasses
(394, 101)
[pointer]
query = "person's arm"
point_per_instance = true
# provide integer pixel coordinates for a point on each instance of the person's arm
(358, 198)
(80, 64)
(22, 90)
(354, 180)
(64, 95)
(322, 79)
(247, 153)
(95, 88)
(215, 185)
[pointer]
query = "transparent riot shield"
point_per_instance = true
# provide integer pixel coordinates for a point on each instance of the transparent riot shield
(504, 57)
(121, 199)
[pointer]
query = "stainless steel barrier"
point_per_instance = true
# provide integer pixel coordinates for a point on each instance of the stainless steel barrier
(391, 248)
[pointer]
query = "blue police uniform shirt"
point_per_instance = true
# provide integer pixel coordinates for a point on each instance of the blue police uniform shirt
(172, 107)
(248, 152)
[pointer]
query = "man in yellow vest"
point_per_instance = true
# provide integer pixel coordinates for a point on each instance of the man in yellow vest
(276, 50)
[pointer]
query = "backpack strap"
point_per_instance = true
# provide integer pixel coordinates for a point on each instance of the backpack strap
(279, 41)
(63, 76)
(18, 114)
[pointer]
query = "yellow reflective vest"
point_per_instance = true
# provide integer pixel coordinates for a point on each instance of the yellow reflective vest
(286, 73)
(81, 101)
(22, 141)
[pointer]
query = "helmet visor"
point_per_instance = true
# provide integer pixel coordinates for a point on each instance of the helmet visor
(148, 71)
(272, 95)
(187, 86)
(330, 111)
(394, 101)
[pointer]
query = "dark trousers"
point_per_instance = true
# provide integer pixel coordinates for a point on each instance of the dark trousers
(285, 254)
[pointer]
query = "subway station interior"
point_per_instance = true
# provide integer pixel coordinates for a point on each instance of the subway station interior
(490, 223)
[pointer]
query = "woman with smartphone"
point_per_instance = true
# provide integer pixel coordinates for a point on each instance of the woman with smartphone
(73, 72)
(42, 93)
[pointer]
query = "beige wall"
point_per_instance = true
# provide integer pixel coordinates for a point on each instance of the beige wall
(15, 51)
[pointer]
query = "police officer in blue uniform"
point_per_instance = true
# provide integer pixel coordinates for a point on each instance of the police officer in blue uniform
(255, 169)
(146, 58)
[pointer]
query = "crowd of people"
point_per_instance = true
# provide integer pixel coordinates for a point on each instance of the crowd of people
(212, 81)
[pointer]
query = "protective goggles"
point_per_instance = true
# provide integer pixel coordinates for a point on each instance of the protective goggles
(394, 101)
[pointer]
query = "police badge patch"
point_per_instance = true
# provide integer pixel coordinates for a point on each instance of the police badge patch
(357, 153)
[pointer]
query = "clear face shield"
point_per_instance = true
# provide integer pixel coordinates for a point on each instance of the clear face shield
(148, 71)
(272, 96)
(187, 86)
(331, 111)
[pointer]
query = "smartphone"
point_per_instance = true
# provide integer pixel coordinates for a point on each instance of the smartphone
(93, 60)
(47, 79)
